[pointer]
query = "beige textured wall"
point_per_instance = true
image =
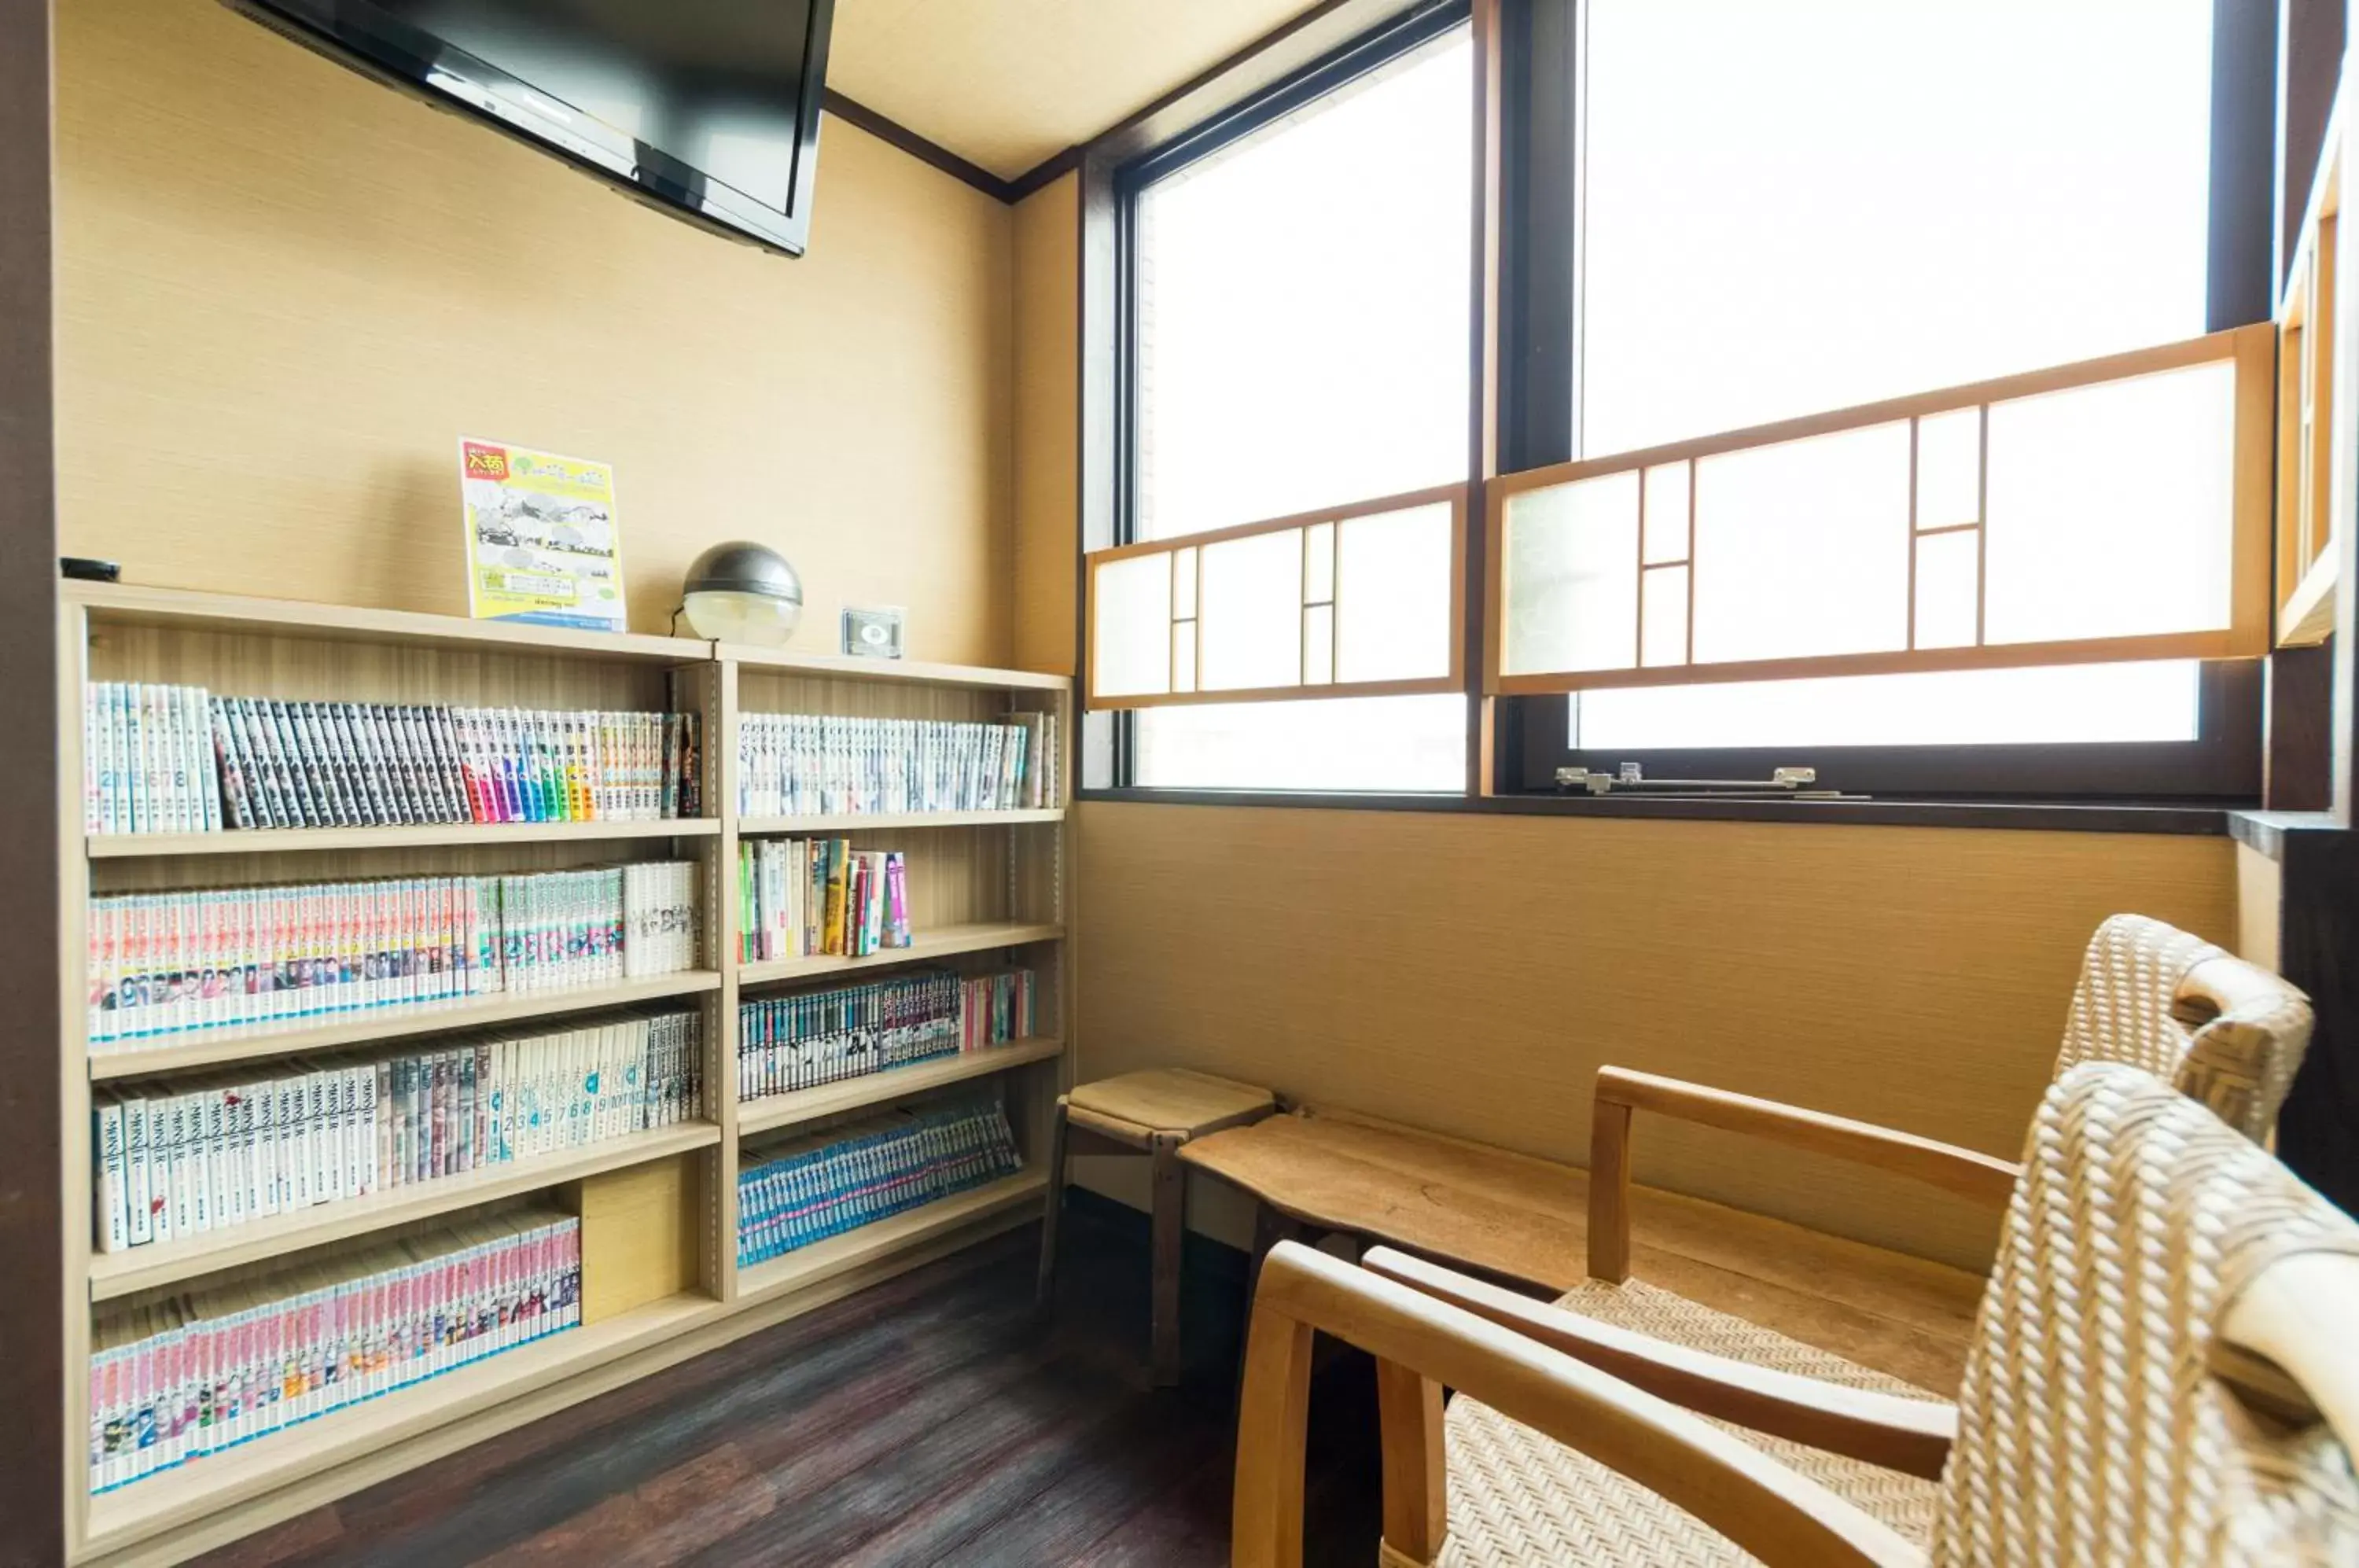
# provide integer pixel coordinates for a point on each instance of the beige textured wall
(1048, 414)
(286, 290)
(1469, 974)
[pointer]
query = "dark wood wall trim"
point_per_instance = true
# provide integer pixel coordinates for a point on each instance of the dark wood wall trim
(1046, 172)
(2317, 932)
(1278, 52)
(2308, 39)
(857, 114)
(2241, 277)
(2189, 821)
(32, 1384)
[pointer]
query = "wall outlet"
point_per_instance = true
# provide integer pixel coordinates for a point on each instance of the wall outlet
(874, 633)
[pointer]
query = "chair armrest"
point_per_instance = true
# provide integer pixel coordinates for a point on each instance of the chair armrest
(2295, 1316)
(1620, 1092)
(1779, 1515)
(1908, 1435)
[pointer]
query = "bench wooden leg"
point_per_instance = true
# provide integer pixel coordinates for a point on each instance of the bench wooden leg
(1169, 1209)
(1044, 1293)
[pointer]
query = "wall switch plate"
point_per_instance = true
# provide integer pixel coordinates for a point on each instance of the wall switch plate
(874, 633)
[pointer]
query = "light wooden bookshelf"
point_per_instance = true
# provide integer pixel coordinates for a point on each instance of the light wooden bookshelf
(658, 1208)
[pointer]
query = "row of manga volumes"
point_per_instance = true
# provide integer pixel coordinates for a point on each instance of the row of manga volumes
(823, 1184)
(148, 759)
(803, 898)
(168, 962)
(803, 763)
(195, 1155)
(176, 1379)
(804, 1039)
(997, 1009)
(180, 759)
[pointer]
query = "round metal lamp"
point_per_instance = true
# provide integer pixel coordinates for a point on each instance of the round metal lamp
(743, 592)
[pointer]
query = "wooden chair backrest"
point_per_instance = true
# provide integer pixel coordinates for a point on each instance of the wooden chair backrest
(2225, 1032)
(2093, 1426)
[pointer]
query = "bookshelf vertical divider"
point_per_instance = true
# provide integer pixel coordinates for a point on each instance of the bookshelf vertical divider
(985, 888)
(721, 925)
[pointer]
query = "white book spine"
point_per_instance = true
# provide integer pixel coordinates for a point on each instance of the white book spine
(114, 1228)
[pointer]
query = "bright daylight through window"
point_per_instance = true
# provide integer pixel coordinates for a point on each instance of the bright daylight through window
(1302, 319)
(1795, 207)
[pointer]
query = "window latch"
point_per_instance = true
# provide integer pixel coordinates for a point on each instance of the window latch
(1782, 782)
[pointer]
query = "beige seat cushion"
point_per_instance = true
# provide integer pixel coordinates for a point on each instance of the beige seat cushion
(1173, 1099)
(1516, 1498)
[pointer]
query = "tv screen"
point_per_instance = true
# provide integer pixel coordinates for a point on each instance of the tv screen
(709, 107)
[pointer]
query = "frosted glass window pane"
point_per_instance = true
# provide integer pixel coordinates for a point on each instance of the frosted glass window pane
(1183, 655)
(1665, 634)
(1303, 306)
(1249, 611)
(2007, 184)
(1133, 651)
(1183, 584)
(2067, 704)
(1949, 468)
(1573, 576)
(1948, 566)
(2111, 508)
(1802, 547)
(1319, 563)
(1318, 645)
(1326, 743)
(1393, 581)
(1667, 513)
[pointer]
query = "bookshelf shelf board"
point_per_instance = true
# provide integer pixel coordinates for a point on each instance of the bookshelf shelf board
(860, 822)
(808, 1266)
(195, 1491)
(114, 1274)
(774, 1111)
(117, 846)
(133, 1060)
(937, 943)
(130, 604)
(836, 667)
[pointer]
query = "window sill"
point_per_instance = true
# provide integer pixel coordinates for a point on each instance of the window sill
(2031, 815)
(2268, 830)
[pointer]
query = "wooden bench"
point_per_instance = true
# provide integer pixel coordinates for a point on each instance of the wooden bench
(1523, 1220)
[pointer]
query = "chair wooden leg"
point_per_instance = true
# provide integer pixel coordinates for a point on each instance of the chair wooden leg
(1270, 1228)
(1169, 1209)
(1044, 1293)
(1417, 1503)
(1272, 1434)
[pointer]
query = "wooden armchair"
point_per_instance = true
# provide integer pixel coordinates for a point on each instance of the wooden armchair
(2225, 1031)
(2169, 1317)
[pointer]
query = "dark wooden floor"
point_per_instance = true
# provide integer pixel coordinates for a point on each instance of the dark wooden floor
(928, 1420)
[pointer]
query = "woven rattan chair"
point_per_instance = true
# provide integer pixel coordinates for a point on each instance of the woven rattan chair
(2227, 1032)
(2171, 1313)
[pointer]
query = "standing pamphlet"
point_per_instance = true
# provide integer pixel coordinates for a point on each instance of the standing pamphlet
(543, 542)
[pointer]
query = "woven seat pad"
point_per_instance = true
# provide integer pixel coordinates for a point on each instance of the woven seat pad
(1173, 1099)
(1517, 1498)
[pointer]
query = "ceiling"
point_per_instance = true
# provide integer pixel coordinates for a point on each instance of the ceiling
(1008, 83)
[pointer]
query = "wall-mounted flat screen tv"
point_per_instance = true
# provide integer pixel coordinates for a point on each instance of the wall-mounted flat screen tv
(709, 108)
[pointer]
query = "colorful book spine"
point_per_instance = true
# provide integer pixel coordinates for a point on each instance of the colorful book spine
(799, 1039)
(180, 759)
(818, 1185)
(177, 1380)
(168, 962)
(319, 1132)
(806, 898)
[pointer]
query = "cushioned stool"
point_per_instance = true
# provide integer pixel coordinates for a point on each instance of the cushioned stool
(1153, 1114)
